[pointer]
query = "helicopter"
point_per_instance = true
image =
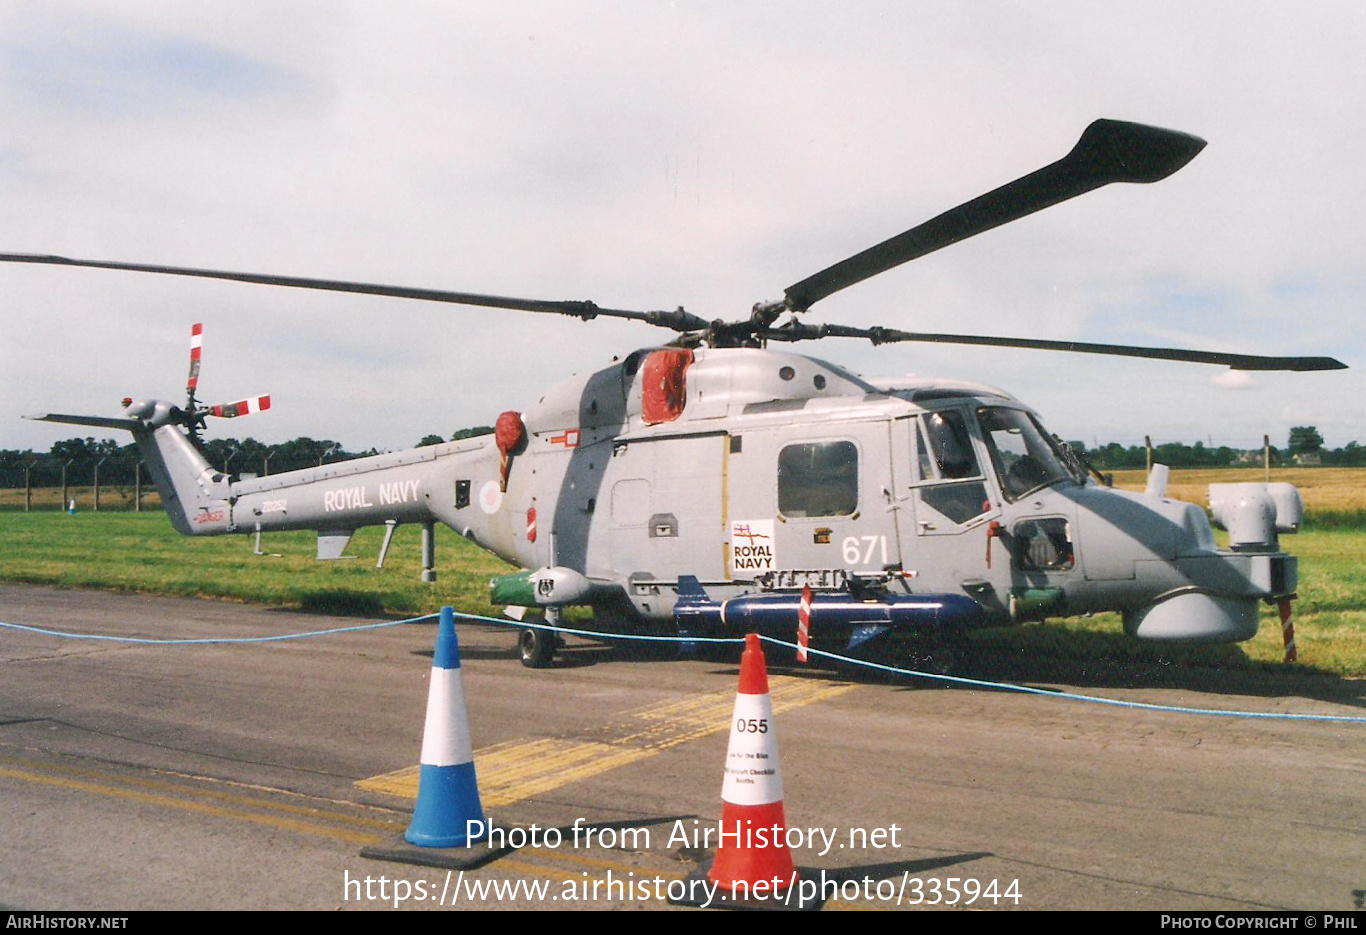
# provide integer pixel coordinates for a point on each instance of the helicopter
(714, 485)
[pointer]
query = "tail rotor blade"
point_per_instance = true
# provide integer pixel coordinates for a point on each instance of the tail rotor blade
(242, 407)
(196, 347)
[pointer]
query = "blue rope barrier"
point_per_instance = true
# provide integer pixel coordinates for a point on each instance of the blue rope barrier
(214, 639)
(976, 683)
(597, 634)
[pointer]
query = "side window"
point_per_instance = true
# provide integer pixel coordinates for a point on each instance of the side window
(818, 479)
(949, 465)
(951, 445)
(1043, 545)
(922, 454)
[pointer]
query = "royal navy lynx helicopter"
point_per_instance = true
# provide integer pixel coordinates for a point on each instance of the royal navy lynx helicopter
(712, 485)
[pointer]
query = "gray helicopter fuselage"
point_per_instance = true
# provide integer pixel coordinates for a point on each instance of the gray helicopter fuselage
(765, 471)
(725, 486)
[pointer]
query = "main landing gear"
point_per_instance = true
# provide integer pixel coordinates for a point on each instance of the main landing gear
(538, 645)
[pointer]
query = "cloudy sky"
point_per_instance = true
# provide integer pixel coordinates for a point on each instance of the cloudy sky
(648, 155)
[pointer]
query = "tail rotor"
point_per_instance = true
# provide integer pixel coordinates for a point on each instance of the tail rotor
(193, 415)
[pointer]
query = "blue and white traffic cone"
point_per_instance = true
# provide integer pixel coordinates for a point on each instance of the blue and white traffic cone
(447, 792)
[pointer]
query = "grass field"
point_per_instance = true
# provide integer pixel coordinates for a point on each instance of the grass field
(1330, 621)
(1330, 493)
(1333, 497)
(140, 552)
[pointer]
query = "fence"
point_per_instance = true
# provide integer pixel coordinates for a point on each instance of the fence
(117, 482)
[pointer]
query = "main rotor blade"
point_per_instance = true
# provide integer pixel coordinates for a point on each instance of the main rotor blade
(796, 331)
(677, 320)
(1109, 151)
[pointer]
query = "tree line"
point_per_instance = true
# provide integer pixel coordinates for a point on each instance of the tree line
(1303, 440)
(81, 458)
(116, 463)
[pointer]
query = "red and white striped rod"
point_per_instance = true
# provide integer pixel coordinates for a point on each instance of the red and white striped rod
(196, 347)
(1288, 628)
(242, 407)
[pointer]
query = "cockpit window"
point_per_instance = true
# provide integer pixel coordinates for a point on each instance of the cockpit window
(1021, 453)
(950, 475)
(951, 445)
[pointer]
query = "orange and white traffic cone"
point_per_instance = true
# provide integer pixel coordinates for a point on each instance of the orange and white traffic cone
(752, 790)
(753, 867)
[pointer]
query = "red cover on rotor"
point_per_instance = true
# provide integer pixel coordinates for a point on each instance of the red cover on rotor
(509, 432)
(665, 387)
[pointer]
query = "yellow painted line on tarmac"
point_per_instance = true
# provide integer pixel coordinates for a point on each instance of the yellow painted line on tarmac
(583, 877)
(511, 772)
(189, 805)
(587, 888)
(596, 862)
(835, 904)
(401, 782)
(584, 883)
(676, 722)
(526, 869)
(519, 769)
(202, 792)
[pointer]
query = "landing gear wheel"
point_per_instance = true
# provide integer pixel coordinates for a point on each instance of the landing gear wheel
(936, 658)
(929, 655)
(537, 647)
